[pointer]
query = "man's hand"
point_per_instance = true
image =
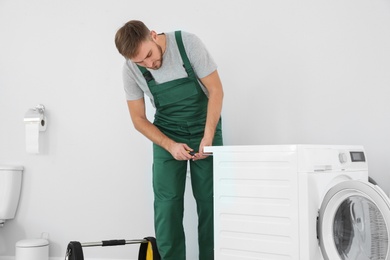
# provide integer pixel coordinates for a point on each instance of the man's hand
(200, 154)
(180, 151)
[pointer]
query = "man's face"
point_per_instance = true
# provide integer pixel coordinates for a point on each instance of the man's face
(149, 55)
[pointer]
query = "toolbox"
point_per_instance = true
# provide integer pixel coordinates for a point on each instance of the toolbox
(147, 251)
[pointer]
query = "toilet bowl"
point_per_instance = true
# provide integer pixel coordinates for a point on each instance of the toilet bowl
(10, 186)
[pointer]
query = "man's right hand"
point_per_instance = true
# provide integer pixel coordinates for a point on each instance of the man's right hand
(180, 151)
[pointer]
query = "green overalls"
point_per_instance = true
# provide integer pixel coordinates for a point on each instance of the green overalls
(181, 110)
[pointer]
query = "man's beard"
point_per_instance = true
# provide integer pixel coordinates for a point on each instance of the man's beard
(158, 63)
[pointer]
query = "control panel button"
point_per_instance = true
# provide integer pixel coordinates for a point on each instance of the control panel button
(343, 157)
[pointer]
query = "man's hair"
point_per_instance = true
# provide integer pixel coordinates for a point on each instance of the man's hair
(130, 36)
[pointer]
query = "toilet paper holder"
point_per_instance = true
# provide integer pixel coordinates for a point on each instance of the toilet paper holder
(37, 114)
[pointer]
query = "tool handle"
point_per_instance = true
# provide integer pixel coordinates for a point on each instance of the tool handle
(117, 242)
(114, 242)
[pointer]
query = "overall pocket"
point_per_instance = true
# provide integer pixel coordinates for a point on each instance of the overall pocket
(174, 94)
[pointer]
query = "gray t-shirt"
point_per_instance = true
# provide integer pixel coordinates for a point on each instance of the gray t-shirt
(172, 66)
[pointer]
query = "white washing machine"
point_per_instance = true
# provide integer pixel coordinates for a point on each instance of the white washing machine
(302, 202)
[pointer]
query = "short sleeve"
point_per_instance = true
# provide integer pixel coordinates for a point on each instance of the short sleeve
(132, 90)
(201, 60)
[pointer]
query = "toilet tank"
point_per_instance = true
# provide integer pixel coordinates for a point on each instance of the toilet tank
(10, 186)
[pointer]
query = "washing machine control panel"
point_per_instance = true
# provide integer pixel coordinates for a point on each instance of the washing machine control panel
(357, 156)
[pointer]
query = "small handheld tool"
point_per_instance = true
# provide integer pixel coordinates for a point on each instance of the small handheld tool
(193, 153)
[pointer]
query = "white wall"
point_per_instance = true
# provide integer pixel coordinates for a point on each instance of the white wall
(293, 72)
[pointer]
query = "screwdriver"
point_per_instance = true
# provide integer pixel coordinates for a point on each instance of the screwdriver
(193, 153)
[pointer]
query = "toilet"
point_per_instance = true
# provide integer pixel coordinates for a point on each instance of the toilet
(10, 186)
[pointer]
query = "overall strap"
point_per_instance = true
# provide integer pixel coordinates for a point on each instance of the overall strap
(187, 65)
(183, 54)
(147, 75)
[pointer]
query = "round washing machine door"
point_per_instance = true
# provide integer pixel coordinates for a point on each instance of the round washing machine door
(354, 222)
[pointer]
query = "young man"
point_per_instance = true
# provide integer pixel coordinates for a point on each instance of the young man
(180, 77)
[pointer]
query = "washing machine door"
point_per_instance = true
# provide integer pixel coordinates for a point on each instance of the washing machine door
(354, 222)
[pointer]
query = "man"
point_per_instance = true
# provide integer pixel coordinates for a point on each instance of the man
(180, 77)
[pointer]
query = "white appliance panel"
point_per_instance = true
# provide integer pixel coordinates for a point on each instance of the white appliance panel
(267, 198)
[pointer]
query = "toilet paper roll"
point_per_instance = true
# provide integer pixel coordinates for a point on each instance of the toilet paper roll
(32, 137)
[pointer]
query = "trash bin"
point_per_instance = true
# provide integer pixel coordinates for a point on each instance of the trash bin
(32, 249)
